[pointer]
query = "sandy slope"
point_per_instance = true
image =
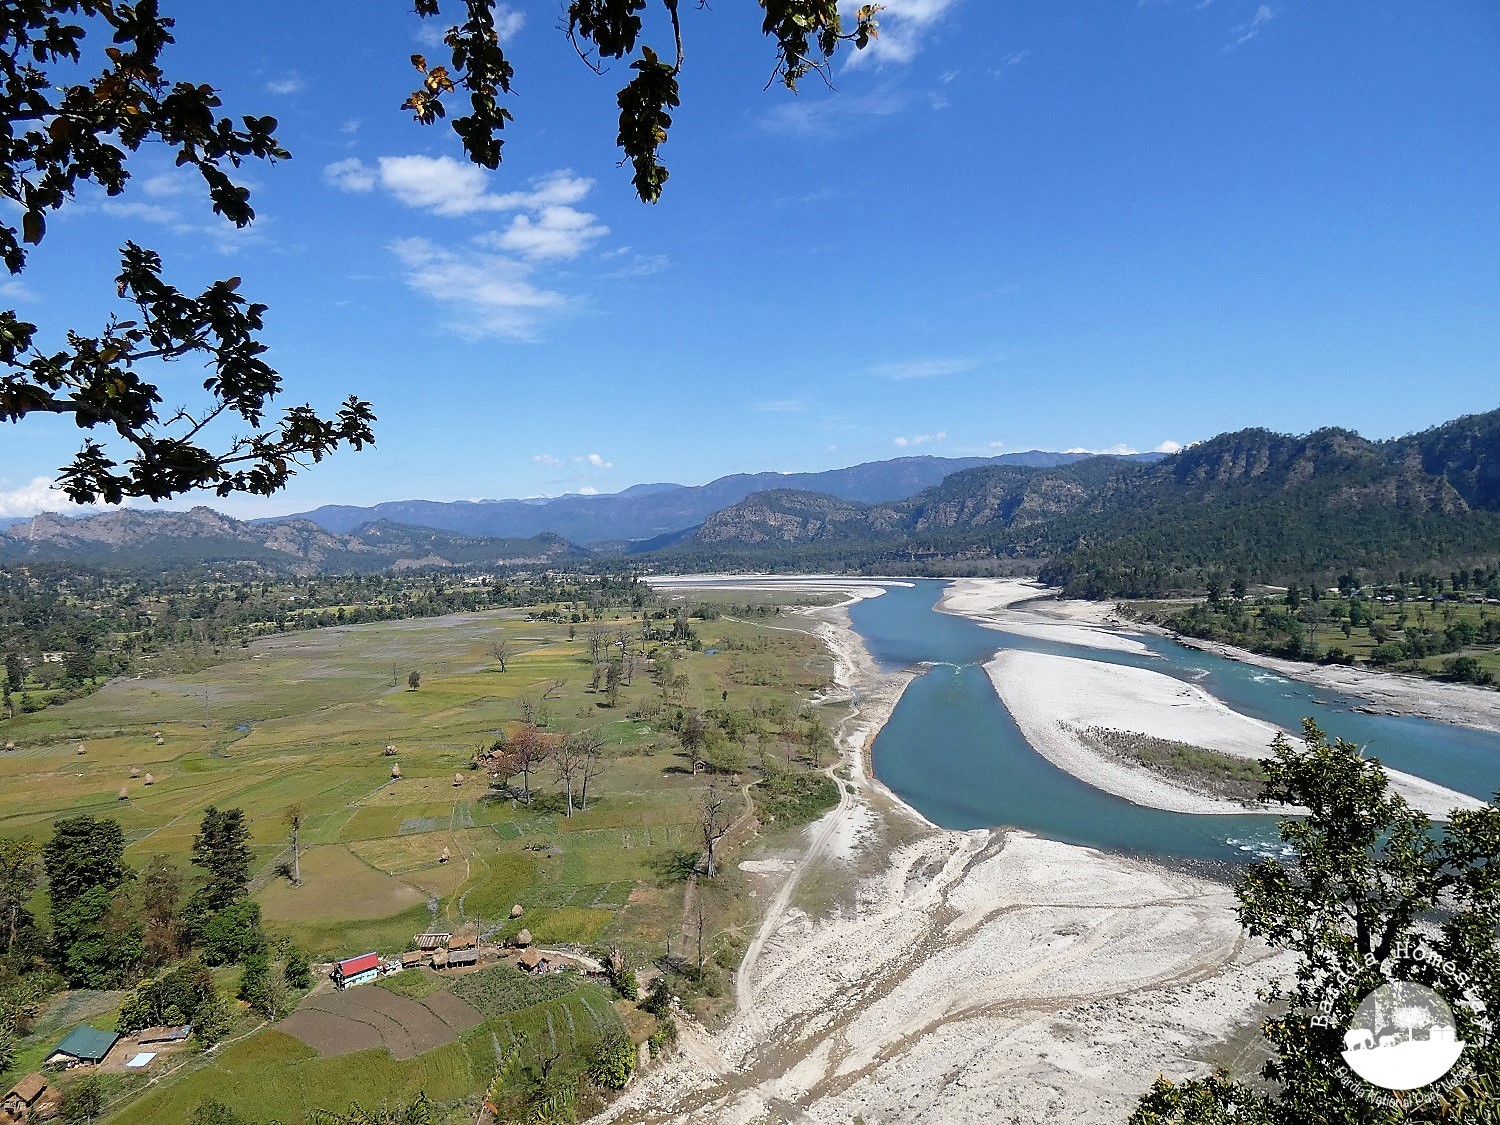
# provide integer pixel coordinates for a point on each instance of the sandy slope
(973, 977)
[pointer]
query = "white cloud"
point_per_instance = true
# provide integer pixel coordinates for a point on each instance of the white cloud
(780, 406)
(493, 296)
(997, 445)
(165, 184)
(588, 490)
(921, 368)
(547, 459)
(556, 232)
(350, 175)
(903, 25)
(919, 439)
(595, 460)
(14, 290)
(1169, 446)
(449, 187)
(1118, 450)
(150, 212)
(40, 495)
(291, 84)
(508, 24)
(1251, 30)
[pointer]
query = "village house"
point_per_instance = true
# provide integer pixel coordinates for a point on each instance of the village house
(357, 970)
(462, 958)
(23, 1097)
(83, 1046)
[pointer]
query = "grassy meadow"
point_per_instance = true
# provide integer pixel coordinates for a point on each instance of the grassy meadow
(304, 720)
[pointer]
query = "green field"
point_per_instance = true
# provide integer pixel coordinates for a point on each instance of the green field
(305, 718)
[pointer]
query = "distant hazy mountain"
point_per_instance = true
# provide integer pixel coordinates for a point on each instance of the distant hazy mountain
(1254, 503)
(132, 540)
(645, 511)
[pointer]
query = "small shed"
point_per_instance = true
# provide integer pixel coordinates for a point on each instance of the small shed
(23, 1095)
(535, 960)
(462, 958)
(83, 1046)
(356, 970)
(462, 941)
(414, 958)
(432, 940)
(179, 1034)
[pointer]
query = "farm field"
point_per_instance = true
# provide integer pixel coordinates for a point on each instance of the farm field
(304, 720)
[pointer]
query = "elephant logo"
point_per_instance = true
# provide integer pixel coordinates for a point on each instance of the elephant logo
(1402, 1037)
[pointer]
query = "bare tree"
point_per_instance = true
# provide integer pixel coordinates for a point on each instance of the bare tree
(713, 821)
(528, 749)
(528, 709)
(500, 650)
(554, 688)
(593, 765)
(293, 817)
(567, 764)
(597, 637)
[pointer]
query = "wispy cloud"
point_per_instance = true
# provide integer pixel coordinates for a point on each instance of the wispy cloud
(547, 459)
(555, 232)
(595, 460)
(350, 175)
(13, 289)
(289, 84)
(919, 439)
(780, 406)
(1252, 29)
(1121, 449)
(921, 368)
(810, 116)
(904, 26)
(488, 295)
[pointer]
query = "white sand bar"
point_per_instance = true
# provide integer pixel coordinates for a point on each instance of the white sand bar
(1012, 604)
(1048, 695)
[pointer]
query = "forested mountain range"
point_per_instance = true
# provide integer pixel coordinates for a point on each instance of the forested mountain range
(646, 511)
(131, 540)
(1265, 506)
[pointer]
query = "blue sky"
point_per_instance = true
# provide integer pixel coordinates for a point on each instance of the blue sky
(1044, 224)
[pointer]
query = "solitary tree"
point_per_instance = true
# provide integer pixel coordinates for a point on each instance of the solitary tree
(501, 651)
(1373, 882)
(567, 763)
(714, 811)
(528, 749)
(413, 680)
(293, 817)
(593, 765)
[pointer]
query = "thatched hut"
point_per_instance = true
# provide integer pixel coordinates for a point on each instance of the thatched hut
(523, 939)
(516, 911)
(396, 773)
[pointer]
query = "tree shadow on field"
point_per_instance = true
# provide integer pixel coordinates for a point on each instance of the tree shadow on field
(676, 866)
(553, 804)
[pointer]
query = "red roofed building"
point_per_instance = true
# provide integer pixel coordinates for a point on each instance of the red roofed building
(357, 970)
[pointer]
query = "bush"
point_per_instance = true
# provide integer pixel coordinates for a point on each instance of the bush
(167, 1002)
(1467, 670)
(232, 934)
(613, 1063)
(791, 798)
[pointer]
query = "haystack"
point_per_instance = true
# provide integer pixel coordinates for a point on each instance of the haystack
(135, 771)
(516, 911)
(458, 779)
(149, 780)
(124, 793)
(396, 772)
(523, 939)
(390, 750)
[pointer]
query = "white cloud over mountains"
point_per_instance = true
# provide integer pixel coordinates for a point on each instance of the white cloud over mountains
(919, 439)
(490, 284)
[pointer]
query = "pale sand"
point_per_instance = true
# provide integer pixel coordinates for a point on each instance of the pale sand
(1385, 693)
(976, 977)
(1050, 697)
(1025, 607)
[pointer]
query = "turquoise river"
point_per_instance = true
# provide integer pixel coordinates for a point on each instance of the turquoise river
(952, 751)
